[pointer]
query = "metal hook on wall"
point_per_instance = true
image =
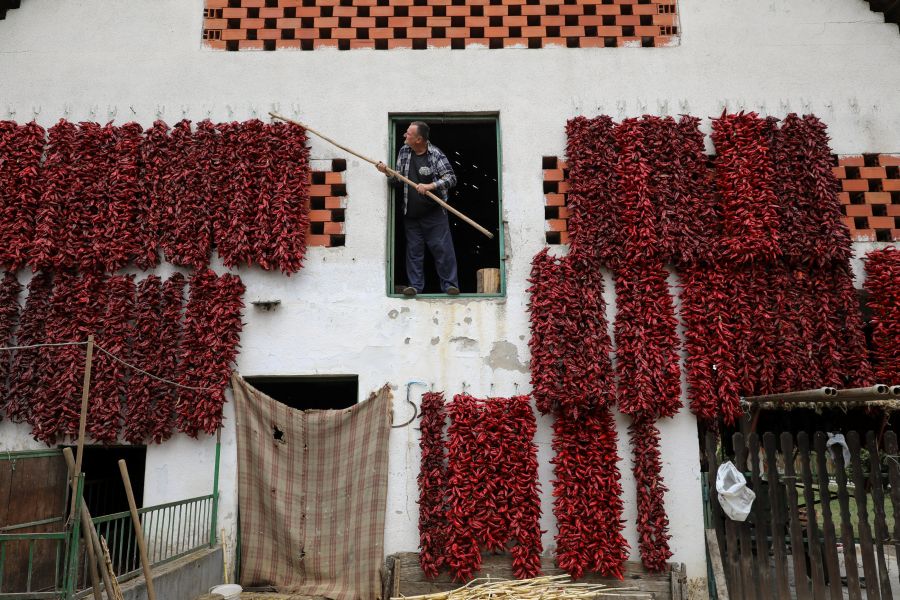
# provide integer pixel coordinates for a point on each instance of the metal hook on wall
(409, 385)
(35, 111)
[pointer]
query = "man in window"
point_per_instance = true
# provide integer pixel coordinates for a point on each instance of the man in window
(424, 220)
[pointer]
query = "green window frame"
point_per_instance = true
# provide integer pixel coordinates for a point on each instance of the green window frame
(444, 118)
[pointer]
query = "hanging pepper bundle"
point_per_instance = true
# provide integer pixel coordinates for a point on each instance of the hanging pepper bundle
(639, 226)
(812, 231)
(288, 218)
(570, 365)
(212, 330)
(164, 396)
(681, 186)
(123, 238)
(647, 343)
(24, 376)
(110, 384)
(10, 288)
(745, 177)
(588, 495)
(21, 147)
(146, 353)
(492, 484)
(187, 198)
(708, 344)
(156, 156)
(243, 159)
(74, 314)
(50, 222)
(432, 486)
(593, 220)
(652, 523)
(883, 285)
(846, 320)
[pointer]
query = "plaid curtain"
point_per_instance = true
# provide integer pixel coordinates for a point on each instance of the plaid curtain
(312, 494)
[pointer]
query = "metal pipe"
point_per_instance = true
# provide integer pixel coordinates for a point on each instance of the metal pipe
(872, 392)
(799, 396)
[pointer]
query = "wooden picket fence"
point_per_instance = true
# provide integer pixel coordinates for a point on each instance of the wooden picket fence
(818, 528)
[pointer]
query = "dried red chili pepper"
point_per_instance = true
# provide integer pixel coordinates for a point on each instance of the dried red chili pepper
(22, 394)
(883, 285)
(652, 522)
(22, 147)
(432, 481)
(50, 221)
(163, 395)
(492, 484)
(212, 329)
(588, 495)
(10, 289)
(145, 353)
(109, 383)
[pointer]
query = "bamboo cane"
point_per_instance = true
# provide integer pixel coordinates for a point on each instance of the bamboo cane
(92, 539)
(138, 530)
(390, 171)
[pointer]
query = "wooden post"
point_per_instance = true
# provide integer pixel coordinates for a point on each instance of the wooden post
(487, 281)
(90, 535)
(83, 420)
(138, 530)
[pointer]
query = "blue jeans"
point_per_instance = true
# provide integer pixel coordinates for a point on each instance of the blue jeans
(432, 230)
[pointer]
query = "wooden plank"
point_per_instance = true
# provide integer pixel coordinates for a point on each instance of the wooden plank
(829, 545)
(866, 547)
(749, 572)
(893, 464)
(813, 539)
(412, 580)
(777, 520)
(715, 559)
(881, 531)
(760, 522)
(679, 581)
(847, 538)
(717, 517)
(798, 555)
(487, 281)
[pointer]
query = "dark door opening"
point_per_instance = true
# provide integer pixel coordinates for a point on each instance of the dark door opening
(318, 392)
(471, 145)
(104, 492)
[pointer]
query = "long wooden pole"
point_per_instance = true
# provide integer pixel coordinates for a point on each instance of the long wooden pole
(390, 171)
(85, 387)
(138, 530)
(91, 537)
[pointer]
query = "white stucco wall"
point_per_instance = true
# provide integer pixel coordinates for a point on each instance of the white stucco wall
(143, 59)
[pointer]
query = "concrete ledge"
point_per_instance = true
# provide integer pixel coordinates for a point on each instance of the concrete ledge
(184, 579)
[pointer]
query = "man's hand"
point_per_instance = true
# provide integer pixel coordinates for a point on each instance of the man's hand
(424, 187)
(381, 167)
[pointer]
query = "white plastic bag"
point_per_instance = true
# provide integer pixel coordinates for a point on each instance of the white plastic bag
(734, 495)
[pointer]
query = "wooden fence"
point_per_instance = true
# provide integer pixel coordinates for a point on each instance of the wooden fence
(818, 528)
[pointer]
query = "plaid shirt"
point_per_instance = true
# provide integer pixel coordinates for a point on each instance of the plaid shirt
(444, 177)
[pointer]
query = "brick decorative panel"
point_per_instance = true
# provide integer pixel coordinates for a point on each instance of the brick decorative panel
(327, 203)
(870, 200)
(422, 24)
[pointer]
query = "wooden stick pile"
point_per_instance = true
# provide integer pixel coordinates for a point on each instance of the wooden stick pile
(555, 587)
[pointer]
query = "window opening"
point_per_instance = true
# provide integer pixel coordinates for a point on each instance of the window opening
(472, 147)
(317, 392)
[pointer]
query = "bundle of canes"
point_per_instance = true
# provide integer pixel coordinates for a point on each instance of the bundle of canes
(390, 171)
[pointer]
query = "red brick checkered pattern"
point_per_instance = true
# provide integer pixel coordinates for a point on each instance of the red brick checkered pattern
(327, 203)
(870, 200)
(422, 24)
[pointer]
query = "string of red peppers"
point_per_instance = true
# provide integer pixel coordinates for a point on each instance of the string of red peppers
(26, 363)
(10, 288)
(883, 285)
(139, 324)
(22, 147)
(492, 485)
(587, 495)
(211, 335)
(109, 195)
(652, 522)
(432, 485)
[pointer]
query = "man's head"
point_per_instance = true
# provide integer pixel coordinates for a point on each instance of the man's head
(416, 136)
